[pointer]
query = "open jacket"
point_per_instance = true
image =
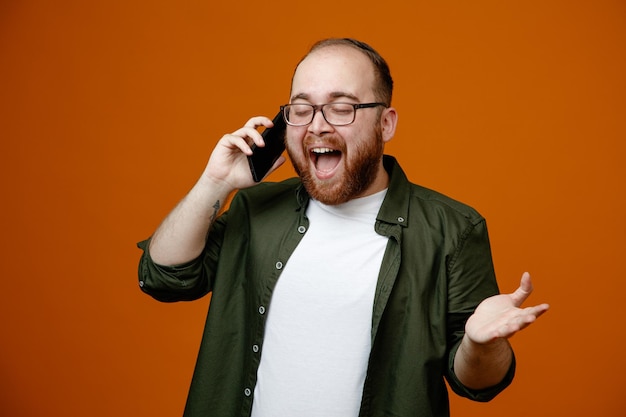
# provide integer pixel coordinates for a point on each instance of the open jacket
(436, 269)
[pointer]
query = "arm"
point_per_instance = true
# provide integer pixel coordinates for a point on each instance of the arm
(181, 236)
(484, 356)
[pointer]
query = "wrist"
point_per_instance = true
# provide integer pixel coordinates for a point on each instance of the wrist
(493, 345)
(482, 365)
(213, 186)
(497, 351)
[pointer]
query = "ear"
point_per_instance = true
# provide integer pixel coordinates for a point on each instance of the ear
(388, 121)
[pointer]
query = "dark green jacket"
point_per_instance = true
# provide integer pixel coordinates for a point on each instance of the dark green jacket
(435, 271)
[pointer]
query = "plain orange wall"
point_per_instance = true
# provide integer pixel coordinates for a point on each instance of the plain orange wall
(109, 110)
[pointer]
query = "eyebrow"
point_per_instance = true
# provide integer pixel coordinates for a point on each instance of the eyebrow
(333, 95)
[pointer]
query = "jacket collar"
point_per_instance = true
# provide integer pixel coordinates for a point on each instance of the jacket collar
(395, 208)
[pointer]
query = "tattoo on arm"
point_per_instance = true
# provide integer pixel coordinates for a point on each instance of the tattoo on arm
(216, 209)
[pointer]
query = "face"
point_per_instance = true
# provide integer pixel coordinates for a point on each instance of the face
(339, 163)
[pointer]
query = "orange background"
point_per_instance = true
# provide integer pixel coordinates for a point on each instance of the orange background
(109, 110)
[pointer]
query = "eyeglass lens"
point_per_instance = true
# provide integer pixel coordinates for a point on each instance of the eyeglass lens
(334, 113)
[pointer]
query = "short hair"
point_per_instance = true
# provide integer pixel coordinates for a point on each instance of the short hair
(384, 83)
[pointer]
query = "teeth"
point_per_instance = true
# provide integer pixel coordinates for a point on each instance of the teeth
(322, 150)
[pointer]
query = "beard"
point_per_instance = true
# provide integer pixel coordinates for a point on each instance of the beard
(360, 170)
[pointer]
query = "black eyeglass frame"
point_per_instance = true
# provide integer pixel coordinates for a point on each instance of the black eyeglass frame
(320, 107)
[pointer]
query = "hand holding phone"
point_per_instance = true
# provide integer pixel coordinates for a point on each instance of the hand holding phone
(263, 158)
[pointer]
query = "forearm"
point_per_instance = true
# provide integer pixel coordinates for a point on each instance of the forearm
(182, 235)
(480, 366)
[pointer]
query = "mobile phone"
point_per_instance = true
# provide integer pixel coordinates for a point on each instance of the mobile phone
(263, 158)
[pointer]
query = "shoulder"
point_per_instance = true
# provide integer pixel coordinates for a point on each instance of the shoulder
(430, 200)
(267, 195)
(419, 202)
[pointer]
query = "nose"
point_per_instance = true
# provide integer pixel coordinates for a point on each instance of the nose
(319, 125)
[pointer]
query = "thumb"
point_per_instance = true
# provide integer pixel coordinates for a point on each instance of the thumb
(523, 291)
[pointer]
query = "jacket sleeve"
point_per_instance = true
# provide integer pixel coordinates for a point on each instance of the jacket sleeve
(471, 279)
(184, 282)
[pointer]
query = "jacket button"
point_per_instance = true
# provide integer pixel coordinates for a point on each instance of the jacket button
(279, 265)
(261, 310)
(247, 392)
(255, 348)
(301, 229)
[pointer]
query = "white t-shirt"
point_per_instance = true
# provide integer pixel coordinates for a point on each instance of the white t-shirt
(318, 331)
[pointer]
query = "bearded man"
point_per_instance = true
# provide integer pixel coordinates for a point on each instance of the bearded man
(347, 291)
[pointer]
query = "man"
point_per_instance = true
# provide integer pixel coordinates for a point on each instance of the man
(347, 291)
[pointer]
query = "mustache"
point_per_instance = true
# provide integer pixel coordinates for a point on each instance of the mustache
(331, 141)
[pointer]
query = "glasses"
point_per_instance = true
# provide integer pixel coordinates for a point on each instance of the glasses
(336, 114)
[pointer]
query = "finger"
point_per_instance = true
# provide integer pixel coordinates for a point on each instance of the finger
(237, 140)
(538, 310)
(530, 314)
(259, 121)
(250, 129)
(523, 291)
(250, 135)
(526, 282)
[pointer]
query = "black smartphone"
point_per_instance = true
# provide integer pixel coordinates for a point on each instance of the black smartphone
(263, 158)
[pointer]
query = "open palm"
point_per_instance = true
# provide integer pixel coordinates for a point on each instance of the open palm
(501, 316)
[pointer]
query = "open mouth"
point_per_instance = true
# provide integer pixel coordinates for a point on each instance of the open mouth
(325, 159)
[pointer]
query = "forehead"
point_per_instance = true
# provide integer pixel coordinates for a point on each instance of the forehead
(334, 72)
